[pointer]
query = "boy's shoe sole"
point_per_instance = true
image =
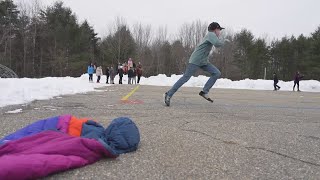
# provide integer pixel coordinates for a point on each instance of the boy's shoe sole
(164, 97)
(202, 95)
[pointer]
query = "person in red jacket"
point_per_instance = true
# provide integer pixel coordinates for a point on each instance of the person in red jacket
(139, 71)
(125, 68)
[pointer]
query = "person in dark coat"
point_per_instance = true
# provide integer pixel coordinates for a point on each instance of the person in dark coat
(120, 71)
(275, 82)
(112, 75)
(139, 72)
(130, 75)
(134, 78)
(297, 79)
(107, 74)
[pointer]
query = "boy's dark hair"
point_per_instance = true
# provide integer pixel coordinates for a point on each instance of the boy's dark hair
(214, 26)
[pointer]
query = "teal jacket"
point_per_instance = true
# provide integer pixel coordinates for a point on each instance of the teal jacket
(200, 55)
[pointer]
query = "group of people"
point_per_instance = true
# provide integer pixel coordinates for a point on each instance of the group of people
(199, 59)
(296, 79)
(91, 69)
(128, 68)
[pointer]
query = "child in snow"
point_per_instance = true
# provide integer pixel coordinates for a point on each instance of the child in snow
(130, 75)
(112, 74)
(139, 72)
(107, 75)
(275, 82)
(90, 71)
(99, 73)
(297, 79)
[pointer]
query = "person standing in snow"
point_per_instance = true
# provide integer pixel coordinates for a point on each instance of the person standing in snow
(112, 74)
(99, 73)
(130, 75)
(275, 82)
(107, 75)
(134, 77)
(120, 72)
(139, 71)
(125, 68)
(90, 71)
(297, 78)
(200, 59)
(130, 63)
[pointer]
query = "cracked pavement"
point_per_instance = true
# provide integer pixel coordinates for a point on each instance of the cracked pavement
(244, 134)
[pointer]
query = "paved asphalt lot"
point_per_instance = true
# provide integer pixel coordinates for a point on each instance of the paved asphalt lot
(244, 134)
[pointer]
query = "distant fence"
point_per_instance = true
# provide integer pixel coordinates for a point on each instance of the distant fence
(6, 72)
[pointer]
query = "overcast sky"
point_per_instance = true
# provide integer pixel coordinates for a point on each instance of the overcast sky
(264, 18)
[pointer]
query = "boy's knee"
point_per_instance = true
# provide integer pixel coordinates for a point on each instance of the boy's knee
(186, 77)
(217, 74)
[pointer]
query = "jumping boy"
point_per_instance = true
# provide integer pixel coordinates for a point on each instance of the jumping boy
(200, 59)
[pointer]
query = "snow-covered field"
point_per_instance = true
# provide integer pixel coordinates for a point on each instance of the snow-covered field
(24, 90)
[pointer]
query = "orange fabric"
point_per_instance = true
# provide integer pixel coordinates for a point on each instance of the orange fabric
(75, 126)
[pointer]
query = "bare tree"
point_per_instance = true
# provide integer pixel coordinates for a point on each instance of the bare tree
(120, 22)
(223, 57)
(191, 34)
(179, 57)
(160, 39)
(23, 25)
(142, 36)
(10, 38)
(115, 40)
(36, 8)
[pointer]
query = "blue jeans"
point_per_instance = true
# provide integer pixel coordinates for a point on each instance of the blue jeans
(191, 69)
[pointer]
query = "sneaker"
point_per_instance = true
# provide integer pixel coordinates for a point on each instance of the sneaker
(204, 95)
(166, 99)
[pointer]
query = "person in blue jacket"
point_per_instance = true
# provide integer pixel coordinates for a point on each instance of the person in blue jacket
(90, 72)
(200, 59)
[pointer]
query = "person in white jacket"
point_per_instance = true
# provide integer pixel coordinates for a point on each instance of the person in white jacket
(99, 73)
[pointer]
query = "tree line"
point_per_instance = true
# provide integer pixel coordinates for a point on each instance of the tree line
(38, 42)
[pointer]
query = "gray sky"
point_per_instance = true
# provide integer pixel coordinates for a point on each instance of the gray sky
(264, 18)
